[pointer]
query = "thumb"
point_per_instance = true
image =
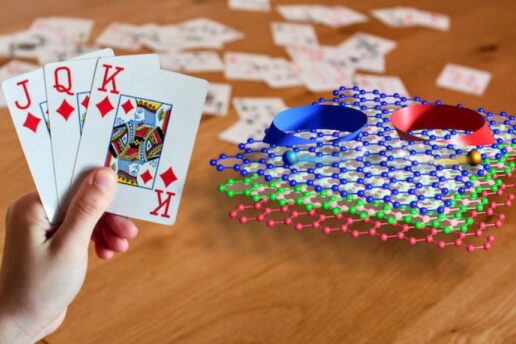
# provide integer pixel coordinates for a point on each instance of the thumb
(86, 208)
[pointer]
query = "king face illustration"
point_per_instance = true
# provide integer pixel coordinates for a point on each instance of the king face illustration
(137, 140)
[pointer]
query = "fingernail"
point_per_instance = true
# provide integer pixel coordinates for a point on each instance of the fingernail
(104, 179)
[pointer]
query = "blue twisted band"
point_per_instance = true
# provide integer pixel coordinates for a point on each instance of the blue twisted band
(331, 117)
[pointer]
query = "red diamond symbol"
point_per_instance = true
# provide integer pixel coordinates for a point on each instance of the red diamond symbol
(65, 110)
(31, 122)
(127, 106)
(85, 101)
(104, 106)
(146, 177)
(168, 177)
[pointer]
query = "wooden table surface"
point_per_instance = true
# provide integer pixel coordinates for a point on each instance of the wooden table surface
(208, 279)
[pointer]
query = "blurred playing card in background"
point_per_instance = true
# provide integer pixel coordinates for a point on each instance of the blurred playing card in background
(63, 29)
(286, 34)
(121, 36)
(250, 5)
(334, 17)
(464, 79)
(242, 66)
(322, 77)
(407, 17)
(384, 84)
(192, 62)
(255, 116)
(217, 100)
(281, 74)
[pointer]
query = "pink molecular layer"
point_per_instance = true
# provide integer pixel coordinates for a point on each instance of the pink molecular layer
(300, 219)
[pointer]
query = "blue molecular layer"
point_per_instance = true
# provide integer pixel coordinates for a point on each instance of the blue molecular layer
(377, 166)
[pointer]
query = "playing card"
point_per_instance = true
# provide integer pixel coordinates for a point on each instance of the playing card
(217, 100)
(63, 29)
(12, 69)
(384, 84)
(68, 86)
(366, 52)
(172, 38)
(331, 16)
(26, 100)
(241, 66)
(393, 17)
(286, 34)
(431, 20)
(142, 124)
(256, 115)
(464, 79)
(258, 109)
(250, 5)
(121, 36)
(338, 16)
(407, 17)
(62, 52)
(299, 12)
(23, 44)
(281, 74)
(305, 54)
(192, 62)
(210, 29)
(320, 77)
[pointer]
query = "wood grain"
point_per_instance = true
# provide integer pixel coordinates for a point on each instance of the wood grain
(210, 280)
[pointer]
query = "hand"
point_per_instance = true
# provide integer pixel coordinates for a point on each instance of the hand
(43, 268)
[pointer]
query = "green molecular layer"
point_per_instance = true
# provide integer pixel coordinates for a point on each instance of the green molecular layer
(457, 218)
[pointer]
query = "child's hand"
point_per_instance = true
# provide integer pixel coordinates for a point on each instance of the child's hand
(43, 268)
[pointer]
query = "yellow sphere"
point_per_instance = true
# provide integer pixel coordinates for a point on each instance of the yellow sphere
(474, 158)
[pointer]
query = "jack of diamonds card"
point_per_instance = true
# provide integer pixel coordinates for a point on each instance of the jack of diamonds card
(26, 100)
(143, 125)
(68, 85)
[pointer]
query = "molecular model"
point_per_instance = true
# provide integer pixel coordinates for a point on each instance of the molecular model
(422, 186)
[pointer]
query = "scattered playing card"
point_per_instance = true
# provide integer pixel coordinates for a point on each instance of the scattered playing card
(464, 79)
(22, 44)
(192, 62)
(63, 52)
(250, 5)
(241, 66)
(12, 69)
(339, 16)
(142, 122)
(322, 77)
(256, 115)
(63, 29)
(68, 86)
(286, 34)
(217, 100)
(407, 17)
(121, 36)
(366, 52)
(334, 17)
(281, 74)
(385, 84)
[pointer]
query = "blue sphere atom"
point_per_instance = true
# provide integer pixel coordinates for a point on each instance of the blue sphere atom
(290, 157)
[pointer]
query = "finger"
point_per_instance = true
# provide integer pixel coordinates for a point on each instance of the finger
(112, 241)
(28, 210)
(86, 208)
(121, 226)
(101, 247)
(27, 213)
